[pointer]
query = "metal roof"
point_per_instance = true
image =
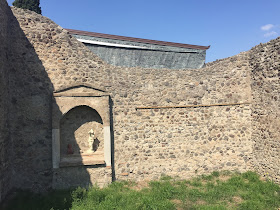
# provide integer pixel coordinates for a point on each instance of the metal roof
(125, 38)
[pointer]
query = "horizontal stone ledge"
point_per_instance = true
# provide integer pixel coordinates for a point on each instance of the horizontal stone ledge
(190, 106)
(78, 95)
(79, 160)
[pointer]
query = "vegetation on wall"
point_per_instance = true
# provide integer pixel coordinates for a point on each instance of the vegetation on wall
(32, 5)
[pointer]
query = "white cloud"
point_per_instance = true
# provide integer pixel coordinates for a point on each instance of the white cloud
(267, 27)
(272, 33)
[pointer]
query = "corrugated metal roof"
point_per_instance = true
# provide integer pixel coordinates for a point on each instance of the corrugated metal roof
(125, 38)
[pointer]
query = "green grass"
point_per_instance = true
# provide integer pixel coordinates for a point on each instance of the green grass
(219, 190)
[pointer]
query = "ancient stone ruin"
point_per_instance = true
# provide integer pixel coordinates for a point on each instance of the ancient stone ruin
(67, 118)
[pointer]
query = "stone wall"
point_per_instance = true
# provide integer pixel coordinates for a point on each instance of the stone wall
(54, 59)
(182, 141)
(30, 127)
(5, 148)
(25, 99)
(179, 123)
(68, 62)
(265, 62)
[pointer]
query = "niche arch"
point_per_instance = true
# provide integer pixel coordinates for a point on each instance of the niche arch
(75, 129)
(81, 114)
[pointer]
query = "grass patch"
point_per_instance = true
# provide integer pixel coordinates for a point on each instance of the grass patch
(219, 190)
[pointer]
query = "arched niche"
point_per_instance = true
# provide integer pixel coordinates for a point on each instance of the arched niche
(81, 114)
(81, 132)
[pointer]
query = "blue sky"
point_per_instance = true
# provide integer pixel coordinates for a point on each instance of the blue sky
(229, 27)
